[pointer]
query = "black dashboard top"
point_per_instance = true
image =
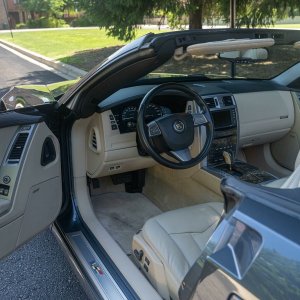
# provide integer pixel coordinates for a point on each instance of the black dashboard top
(129, 94)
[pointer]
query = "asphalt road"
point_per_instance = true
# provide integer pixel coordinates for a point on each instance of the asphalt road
(16, 70)
(39, 269)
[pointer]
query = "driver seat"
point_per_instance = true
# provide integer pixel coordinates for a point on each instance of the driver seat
(169, 244)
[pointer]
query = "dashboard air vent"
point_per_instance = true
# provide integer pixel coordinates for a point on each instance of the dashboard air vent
(227, 100)
(210, 102)
(94, 140)
(18, 147)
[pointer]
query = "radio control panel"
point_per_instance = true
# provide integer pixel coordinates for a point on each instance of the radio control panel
(225, 117)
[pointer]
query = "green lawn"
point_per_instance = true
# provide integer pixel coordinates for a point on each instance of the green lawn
(287, 26)
(65, 43)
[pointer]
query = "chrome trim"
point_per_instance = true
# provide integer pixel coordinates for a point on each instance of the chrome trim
(87, 287)
(178, 126)
(100, 277)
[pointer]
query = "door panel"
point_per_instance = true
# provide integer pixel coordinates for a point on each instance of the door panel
(7, 134)
(30, 190)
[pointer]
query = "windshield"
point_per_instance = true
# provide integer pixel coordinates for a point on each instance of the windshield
(280, 58)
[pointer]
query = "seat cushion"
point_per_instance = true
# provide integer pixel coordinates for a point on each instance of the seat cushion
(277, 183)
(297, 162)
(178, 237)
(291, 181)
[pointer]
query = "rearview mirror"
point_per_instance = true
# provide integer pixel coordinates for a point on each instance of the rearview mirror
(249, 55)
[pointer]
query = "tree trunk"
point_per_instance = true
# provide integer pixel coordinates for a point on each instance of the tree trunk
(195, 16)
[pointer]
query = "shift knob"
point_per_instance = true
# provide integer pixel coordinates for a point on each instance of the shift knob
(228, 159)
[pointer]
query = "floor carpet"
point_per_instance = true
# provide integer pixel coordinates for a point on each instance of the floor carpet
(123, 214)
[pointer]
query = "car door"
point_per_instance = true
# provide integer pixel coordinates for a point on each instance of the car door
(30, 170)
(254, 252)
(30, 176)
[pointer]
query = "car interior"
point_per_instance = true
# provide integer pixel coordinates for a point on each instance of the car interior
(154, 221)
(147, 160)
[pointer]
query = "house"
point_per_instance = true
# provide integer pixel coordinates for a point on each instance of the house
(3, 18)
(11, 13)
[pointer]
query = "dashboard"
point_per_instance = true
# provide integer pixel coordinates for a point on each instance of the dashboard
(245, 113)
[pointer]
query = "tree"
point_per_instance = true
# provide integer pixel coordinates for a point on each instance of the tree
(121, 17)
(44, 8)
(252, 13)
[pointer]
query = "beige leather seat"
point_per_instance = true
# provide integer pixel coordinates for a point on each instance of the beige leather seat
(169, 244)
(281, 183)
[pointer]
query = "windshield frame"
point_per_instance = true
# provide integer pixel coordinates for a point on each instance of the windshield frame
(280, 36)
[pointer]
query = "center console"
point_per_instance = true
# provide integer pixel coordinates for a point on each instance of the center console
(221, 160)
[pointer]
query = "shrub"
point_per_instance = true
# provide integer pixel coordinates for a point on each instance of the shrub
(44, 22)
(21, 26)
(83, 21)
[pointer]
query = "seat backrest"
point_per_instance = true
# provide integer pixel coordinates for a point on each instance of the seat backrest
(293, 181)
(297, 162)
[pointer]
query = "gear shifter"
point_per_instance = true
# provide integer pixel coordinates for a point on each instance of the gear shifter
(228, 159)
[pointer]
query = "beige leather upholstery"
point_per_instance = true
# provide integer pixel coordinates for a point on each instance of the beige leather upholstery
(172, 242)
(276, 183)
(297, 162)
(281, 183)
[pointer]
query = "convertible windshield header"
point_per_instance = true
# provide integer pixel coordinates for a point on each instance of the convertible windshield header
(254, 54)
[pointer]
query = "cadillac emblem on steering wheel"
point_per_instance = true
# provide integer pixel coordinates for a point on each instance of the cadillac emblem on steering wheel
(178, 126)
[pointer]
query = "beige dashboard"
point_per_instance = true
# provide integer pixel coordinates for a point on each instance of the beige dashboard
(264, 117)
(109, 152)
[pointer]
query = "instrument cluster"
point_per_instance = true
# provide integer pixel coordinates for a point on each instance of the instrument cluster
(126, 116)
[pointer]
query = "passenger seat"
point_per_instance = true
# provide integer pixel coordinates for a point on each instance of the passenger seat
(169, 244)
(290, 181)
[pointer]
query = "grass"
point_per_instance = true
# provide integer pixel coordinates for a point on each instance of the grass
(59, 44)
(292, 26)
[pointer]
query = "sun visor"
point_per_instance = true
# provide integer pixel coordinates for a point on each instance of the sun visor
(297, 45)
(229, 45)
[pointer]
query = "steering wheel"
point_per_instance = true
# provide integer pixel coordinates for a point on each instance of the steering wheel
(174, 133)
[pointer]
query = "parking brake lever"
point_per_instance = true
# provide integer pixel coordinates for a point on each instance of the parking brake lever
(228, 159)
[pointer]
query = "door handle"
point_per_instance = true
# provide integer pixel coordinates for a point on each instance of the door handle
(48, 152)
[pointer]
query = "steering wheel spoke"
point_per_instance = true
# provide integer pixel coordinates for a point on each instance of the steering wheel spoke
(199, 119)
(182, 155)
(153, 129)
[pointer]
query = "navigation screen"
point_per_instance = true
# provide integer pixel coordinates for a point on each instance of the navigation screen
(222, 118)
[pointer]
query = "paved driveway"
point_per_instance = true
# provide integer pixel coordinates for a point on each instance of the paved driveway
(37, 270)
(15, 70)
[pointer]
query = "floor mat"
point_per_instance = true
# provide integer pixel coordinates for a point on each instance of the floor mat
(123, 214)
